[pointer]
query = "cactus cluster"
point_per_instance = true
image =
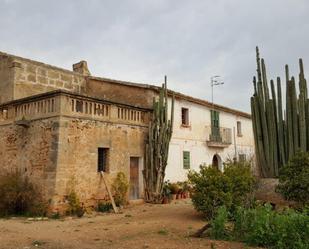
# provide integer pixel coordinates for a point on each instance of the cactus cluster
(278, 135)
(157, 146)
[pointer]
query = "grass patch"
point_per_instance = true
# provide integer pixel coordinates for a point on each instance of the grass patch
(163, 232)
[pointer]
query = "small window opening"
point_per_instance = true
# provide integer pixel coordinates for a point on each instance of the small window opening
(185, 116)
(239, 129)
(102, 159)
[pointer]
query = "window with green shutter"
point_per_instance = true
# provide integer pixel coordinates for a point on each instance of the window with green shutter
(186, 159)
(215, 126)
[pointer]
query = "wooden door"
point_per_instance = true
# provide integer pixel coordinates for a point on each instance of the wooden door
(134, 178)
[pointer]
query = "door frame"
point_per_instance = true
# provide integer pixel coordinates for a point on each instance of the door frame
(140, 177)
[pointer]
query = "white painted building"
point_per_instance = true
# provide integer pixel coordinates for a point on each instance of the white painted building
(193, 143)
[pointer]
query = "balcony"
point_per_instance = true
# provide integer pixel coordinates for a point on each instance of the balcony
(219, 137)
(61, 103)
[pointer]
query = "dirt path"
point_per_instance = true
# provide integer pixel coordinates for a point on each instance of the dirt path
(141, 226)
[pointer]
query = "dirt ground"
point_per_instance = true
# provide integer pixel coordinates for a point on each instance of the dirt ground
(139, 226)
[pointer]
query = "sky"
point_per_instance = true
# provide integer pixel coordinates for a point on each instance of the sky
(143, 40)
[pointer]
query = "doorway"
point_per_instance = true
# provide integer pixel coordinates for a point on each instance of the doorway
(216, 162)
(134, 178)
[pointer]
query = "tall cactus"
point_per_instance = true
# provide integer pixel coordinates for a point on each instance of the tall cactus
(157, 146)
(278, 137)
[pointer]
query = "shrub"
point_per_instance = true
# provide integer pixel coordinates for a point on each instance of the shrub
(104, 207)
(242, 184)
(294, 179)
(174, 187)
(75, 207)
(218, 224)
(120, 188)
(19, 196)
(264, 227)
(212, 188)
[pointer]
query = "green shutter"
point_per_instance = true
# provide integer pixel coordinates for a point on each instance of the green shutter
(215, 125)
(214, 118)
(186, 159)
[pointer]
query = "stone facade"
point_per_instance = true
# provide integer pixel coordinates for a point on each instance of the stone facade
(6, 78)
(53, 122)
(22, 78)
(32, 151)
(54, 138)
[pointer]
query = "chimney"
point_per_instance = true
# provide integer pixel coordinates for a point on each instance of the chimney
(82, 68)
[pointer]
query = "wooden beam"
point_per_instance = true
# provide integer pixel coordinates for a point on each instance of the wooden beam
(109, 193)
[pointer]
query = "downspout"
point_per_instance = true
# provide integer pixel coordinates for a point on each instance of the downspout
(235, 147)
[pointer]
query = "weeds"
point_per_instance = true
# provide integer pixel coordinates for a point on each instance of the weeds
(264, 227)
(19, 196)
(163, 232)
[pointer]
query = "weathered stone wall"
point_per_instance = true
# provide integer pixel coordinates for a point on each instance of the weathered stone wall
(78, 157)
(32, 150)
(123, 93)
(29, 78)
(6, 79)
(33, 78)
(54, 139)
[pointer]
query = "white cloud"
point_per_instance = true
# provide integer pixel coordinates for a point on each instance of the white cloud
(142, 40)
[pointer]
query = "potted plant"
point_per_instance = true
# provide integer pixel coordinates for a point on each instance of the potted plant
(167, 196)
(180, 190)
(185, 189)
(174, 188)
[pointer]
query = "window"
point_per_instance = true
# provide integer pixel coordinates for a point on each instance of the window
(215, 119)
(215, 125)
(242, 157)
(102, 159)
(185, 116)
(239, 134)
(186, 159)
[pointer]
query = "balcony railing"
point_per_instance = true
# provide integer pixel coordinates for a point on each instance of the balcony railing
(61, 103)
(219, 137)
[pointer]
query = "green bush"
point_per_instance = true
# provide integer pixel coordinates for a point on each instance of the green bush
(242, 184)
(104, 207)
(19, 196)
(120, 188)
(294, 179)
(75, 207)
(264, 227)
(218, 224)
(211, 188)
(174, 188)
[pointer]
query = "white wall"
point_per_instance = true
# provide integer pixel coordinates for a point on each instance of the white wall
(194, 137)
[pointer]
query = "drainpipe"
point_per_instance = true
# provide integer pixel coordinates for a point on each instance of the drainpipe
(235, 148)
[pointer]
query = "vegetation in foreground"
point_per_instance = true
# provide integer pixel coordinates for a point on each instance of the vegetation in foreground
(294, 179)
(236, 216)
(262, 226)
(212, 188)
(19, 196)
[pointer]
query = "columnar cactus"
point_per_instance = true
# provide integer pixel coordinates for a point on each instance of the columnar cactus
(157, 146)
(278, 135)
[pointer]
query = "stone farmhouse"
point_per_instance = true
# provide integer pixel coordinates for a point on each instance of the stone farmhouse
(62, 127)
